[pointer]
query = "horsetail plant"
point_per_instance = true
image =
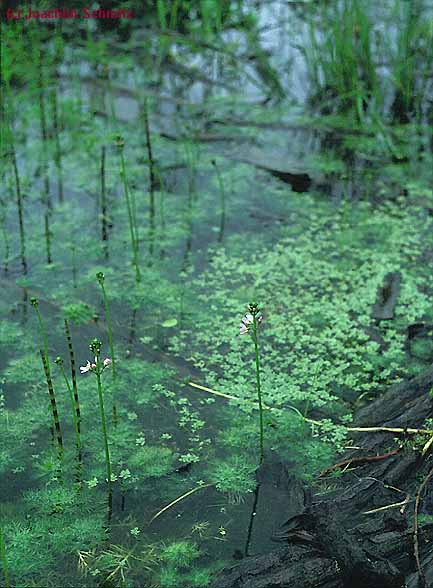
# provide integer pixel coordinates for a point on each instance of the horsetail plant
(4, 562)
(46, 365)
(104, 229)
(58, 148)
(222, 201)
(53, 403)
(249, 324)
(151, 165)
(20, 211)
(59, 362)
(73, 375)
(97, 367)
(131, 210)
(101, 279)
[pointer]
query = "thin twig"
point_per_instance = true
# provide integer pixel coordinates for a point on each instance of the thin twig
(415, 528)
(358, 460)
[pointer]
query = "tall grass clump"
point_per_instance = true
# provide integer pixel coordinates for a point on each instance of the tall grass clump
(340, 59)
(411, 59)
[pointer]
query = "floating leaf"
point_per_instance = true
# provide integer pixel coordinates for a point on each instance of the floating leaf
(169, 323)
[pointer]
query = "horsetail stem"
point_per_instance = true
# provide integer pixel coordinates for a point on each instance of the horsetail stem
(19, 209)
(101, 279)
(151, 164)
(46, 199)
(74, 266)
(104, 231)
(52, 402)
(5, 241)
(35, 303)
(73, 375)
(59, 362)
(131, 216)
(222, 201)
(3, 559)
(58, 149)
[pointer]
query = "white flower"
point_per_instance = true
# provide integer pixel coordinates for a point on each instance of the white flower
(86, 368)
(247, 321)
(91, 367)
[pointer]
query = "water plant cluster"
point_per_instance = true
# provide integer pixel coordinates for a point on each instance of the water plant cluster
(228, 314)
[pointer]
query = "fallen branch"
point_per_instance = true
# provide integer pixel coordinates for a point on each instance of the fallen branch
(358, 461)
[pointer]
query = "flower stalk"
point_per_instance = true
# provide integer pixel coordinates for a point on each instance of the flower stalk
(97, 367)
(249, 324)
(101, 279)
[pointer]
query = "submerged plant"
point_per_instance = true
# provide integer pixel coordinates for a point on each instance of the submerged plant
(249, 323)
(97, 367)
(101, 279)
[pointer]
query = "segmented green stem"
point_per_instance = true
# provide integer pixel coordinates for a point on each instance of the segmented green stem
(132, 225)
(73, 406)
(73, 376)
(52, 402)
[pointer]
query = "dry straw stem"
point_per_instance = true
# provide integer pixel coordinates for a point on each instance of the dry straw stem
(174, 502)
(397, 430)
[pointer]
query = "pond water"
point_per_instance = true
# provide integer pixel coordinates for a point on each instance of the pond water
(261, 186)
